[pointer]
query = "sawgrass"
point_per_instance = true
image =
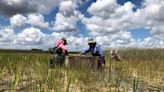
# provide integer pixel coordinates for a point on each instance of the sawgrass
(31, 72)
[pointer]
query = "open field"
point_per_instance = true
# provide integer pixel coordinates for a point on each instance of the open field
(141, 70)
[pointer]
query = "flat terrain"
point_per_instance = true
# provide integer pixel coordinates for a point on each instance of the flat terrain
(141, 70)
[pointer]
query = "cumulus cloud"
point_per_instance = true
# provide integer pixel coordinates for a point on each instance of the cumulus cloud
(103, 8)
(77, 43)
(149, 42)
(29, 36)
(67, 16)
(111, 21)
(17, 20)
(36, 20)
(12, 7)
(6, 34)
(150, 16)
(66, 24)
(32, 37)
(119, 39)
(67, 8)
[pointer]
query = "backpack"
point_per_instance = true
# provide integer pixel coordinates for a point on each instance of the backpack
(52, 50)
(55, 50)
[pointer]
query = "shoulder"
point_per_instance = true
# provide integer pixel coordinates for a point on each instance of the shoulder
(98, 45)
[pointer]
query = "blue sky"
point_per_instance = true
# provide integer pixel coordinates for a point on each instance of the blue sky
(139, 33)
(118, 23)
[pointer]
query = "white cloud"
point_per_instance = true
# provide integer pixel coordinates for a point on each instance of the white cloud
(6, 37)
(149, 42)
(111, 21)
(103, 8)
(37, 20)
(29, 36)
(67, 8)
(119, 39)
(77, 43)
(6, 34)
(109, 24)
(17, 20)
(68, 16)
(152, 14)
(66, 24)
(25, 7)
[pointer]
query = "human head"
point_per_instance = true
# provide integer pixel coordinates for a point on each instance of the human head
(91, 42)
(65, 41)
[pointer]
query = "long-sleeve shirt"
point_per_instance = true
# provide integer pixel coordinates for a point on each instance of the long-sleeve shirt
(96, 51)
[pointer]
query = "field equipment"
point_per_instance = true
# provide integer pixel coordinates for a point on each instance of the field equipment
(82, 62)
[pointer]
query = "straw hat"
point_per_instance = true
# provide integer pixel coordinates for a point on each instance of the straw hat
(91, 41)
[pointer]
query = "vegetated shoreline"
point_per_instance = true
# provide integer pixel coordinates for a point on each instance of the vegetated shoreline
(139, 69)
(71, 52)
(30, 51)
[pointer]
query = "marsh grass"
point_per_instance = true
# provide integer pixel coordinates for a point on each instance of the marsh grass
(139, 70)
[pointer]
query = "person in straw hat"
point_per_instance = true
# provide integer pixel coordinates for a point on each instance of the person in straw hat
(95, 50)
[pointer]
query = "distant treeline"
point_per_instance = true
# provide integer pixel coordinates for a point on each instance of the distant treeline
(28, 51)
(22, 51)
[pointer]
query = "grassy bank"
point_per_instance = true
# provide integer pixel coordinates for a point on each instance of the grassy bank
(140, 70)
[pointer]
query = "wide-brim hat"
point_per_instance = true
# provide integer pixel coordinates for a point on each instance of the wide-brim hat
(91, 41)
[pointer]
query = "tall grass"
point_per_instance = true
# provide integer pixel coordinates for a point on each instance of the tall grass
(139, 70)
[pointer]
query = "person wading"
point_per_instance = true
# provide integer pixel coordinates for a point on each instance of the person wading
(95, 50)
(58, 53)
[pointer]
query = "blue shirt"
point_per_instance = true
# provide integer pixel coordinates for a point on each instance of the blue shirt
(96, 51)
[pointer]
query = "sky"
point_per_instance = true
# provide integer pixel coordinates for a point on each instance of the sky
(28, 24)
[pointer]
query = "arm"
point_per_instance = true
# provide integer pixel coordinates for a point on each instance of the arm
(63, 48)
(86, 51)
